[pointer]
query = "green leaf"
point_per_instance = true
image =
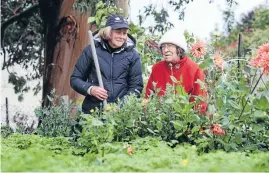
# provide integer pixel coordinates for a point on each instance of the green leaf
(251, 147)
(259, 114)
(261, 103)
(169, 101)
(257, 128)
(232, 117)
(243, 88)
(144, 122)
(233, 145)
(99, 5)
(159, 125)
(191, 40)
(49, 98)
(234, 104)
(179, 134)
(91, 19)
(151, 131)
(238, 138)
(211, 109)
(227, 147)
(195, 129)
(174, 141)
(173, 79)
(96, 122)
(103, 23)
(206, 63)
(219, 102)
(193, 118)
(38, 112)
(178, 126)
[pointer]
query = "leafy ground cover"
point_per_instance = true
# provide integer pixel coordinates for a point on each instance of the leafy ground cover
(32, 153)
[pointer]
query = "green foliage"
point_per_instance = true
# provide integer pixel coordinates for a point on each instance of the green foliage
(149, 154)
(19, 42)
(103, 10)
(253, 28)
(159, 133)
(169, 118)
(19, 84)
(55, 120)
(162, 23)
(6, 131)
(95, 133)
(84, 5)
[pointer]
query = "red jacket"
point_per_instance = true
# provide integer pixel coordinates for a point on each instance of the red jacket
(186, 68)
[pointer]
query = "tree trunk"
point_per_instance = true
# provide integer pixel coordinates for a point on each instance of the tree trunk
(65, 37)
(123, 4)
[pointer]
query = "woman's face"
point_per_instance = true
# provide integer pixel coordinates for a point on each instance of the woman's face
(169, 52)
(118, 37)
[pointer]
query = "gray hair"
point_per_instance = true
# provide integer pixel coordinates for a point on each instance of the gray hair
(105, 33)
(180, 52)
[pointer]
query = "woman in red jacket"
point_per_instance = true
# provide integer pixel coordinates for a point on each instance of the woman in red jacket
(177, 64)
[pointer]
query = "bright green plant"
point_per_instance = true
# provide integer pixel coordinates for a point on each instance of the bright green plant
(149, 154)
(103, 10)
(55, 120)
(95, 133)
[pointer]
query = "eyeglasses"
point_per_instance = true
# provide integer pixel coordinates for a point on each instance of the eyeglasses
(169, 46)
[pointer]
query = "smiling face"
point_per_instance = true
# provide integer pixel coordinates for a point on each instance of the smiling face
(170, 52)
(118, 37)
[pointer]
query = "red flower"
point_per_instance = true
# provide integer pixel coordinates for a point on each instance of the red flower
(255, 61)
(198, 49)
(130, 150)
(218, 60)
(217, 130)
(263, 49)
(247, 30)
(233, 44)
(262, 59)
(264, 63)
(202, 131)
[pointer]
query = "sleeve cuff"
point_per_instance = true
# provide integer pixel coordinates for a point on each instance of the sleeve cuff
(89, 90)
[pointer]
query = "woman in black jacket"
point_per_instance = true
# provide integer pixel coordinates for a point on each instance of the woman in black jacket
(119, 62)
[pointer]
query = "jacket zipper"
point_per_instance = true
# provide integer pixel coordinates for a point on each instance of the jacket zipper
(172, 74)
(171, 70)
(111, 73)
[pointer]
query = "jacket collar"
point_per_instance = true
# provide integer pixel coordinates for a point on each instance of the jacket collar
(177, 64)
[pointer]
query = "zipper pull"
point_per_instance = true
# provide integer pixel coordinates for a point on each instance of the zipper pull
(171, 68)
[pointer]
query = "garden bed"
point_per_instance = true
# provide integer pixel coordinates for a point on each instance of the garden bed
(31, 153)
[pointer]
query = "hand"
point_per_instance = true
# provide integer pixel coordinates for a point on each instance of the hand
(99, 93)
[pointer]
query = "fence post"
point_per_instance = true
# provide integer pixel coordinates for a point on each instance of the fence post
(239, 49)
(239, 55)
(7, 116)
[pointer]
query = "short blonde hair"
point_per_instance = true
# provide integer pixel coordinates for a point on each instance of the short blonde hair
(105, 33)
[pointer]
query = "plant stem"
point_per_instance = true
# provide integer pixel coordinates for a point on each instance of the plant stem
(250, 94)
(246, 103)
(103, 154)
(253, 78)
(264, 84)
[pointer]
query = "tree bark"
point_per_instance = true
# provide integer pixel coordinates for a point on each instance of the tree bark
(123, 4)
(65, 37)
